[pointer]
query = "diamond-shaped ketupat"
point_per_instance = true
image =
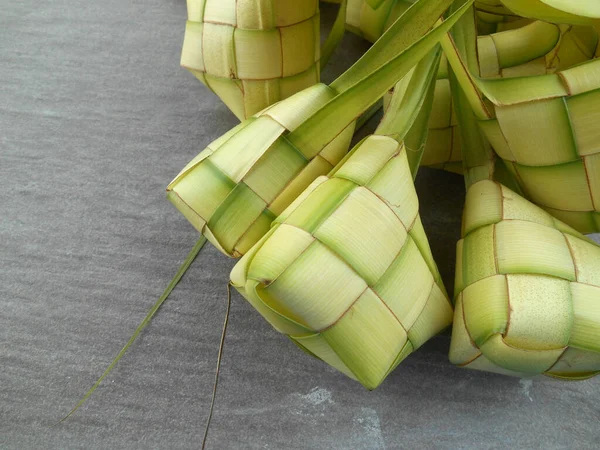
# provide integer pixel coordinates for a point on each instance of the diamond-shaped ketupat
(252, 54)
(235, 188)
(527, 290)
(346, 271)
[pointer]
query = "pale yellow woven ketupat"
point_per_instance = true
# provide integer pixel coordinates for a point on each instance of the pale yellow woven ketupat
(253, 53)
(527, 290)
(346, 271)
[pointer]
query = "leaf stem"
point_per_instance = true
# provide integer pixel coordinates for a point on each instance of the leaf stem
(182, 270)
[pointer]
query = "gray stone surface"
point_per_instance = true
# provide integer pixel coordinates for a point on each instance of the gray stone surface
(96, 117)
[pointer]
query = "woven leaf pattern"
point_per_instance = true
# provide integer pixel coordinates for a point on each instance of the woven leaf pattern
(536, 124)
(235, 188)
(552, 147)
(527, 292)
(346, 271)
(248, 52)
(443, 148)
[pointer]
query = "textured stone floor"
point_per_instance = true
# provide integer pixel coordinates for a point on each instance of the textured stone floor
(96, 117)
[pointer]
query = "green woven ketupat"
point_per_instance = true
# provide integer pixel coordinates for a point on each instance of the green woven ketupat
(233, 190)
(253, 53)
(527, 290)
(543, 127)
(527, 286)
(561, 47)
(346, 271)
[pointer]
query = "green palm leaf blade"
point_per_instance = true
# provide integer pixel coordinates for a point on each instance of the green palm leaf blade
(180, 273)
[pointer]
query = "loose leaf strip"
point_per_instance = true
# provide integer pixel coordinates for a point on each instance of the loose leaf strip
(182, 270)
(406, 30)
(218, 369)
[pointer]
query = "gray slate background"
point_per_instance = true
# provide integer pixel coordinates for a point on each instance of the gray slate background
(96, 118)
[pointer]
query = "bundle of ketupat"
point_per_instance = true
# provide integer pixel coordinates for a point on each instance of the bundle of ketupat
(527, 290)
(543, 127)
(341, 263)
(346, 271)
(263, 145)
(233, 190)
(253, 54)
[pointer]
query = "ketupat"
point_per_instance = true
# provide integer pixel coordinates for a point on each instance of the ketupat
(549, 48)
(543, 127)
(346, 271)
(527, 286)
(527, 290)
(234, 189)
(255, 53)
